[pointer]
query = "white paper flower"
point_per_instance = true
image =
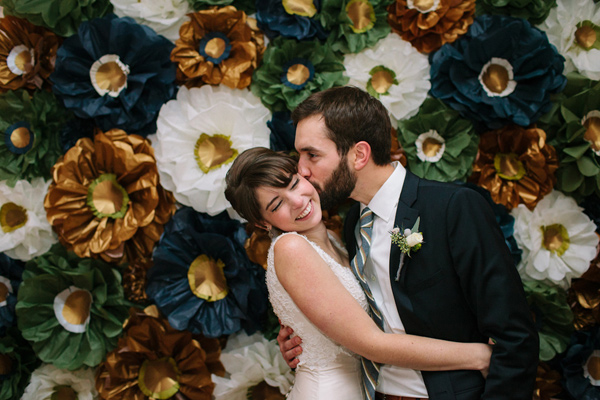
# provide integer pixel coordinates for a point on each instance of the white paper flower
(164, 16)
(47, 380)
(250, 361)
(393, 71)
(573, 27)
(199, 135)
(558, 240)
(24, 230)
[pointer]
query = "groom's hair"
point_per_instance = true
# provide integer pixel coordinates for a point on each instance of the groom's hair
(351, 115)
(252, 169)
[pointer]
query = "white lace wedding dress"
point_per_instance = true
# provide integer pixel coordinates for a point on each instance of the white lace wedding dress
(326, 370)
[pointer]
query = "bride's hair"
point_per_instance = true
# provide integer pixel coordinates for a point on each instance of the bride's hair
(252, 169)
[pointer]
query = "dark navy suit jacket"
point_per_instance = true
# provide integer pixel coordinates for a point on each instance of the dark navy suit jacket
(462, 285)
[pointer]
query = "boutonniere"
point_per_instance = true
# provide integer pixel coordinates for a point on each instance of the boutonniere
(407, 241)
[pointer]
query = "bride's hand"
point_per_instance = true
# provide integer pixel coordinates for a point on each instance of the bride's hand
(289, 347)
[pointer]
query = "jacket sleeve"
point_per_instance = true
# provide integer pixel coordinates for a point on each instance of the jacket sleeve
(494, 290)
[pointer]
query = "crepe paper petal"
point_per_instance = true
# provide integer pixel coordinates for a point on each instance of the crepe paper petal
(591, 208)
(199, 135)
(283, 131)
(515, 165)
(11, 272)
(29, 126)
(439, 144)
(505, 221)
(106, 199)
(257, 245)
(63, 18)
(354, 24)
(50, 382)
(284, 79)
(165, 17)
(155, 361)
(218, 46)
(584, 297)
(26, 54)
(135, 280)
(392, 71)
(61, 334)
(574, 28)
(75, 129)
(535, 11)
(429, 25)
(17, 362)
(202, 279)
(255, 369)
(579, 365)
(547, 382)
(503, 70)
(577, 141)
(552, 316)
(558, 240)
(117, 72)
(24, 230)
(290, 19)
(248, 6)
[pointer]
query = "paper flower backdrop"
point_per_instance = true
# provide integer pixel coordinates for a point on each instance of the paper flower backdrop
(48, 382)
(535, 11)
(199, 135)
(290, 19)
(11, 272)
(18, 362)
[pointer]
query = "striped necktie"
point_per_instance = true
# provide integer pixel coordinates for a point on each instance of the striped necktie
(370, 369)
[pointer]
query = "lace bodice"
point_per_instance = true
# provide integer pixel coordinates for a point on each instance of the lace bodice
(317, 349)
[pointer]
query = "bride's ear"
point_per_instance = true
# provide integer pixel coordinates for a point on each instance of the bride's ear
(263, 225)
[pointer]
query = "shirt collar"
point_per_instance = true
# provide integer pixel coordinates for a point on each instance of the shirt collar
(385, 201)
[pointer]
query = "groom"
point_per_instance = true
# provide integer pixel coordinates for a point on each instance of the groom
(461, 285)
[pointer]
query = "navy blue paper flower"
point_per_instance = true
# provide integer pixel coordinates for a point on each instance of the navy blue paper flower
(117, 72)
(283, 131)
(11, 272)
(283, 18)
(202, 279)
(584, 351)
(503, 70)
(591, 208)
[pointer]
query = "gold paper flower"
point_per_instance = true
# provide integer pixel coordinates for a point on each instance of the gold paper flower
(155, 361)
(27, 54)
(584, 297)
(106, 200)
(515, 165)
(547, 383)
(219, 45)
(429, 24)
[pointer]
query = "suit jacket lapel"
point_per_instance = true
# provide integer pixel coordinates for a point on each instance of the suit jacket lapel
(349, 226)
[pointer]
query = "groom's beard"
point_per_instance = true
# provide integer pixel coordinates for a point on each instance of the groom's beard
(339, 186)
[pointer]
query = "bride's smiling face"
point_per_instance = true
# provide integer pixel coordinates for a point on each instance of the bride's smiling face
(292, 208)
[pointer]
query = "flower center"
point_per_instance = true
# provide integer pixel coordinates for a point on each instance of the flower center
(72, 309)
(207, 279)
(423, 6)
(12, 217)
(6, 364)
(107, 198)
(555, 238)
(430, 146)
(19, 137)
(159, 379)
(591, 369)
(4, 292)
(496, 78)
(264, 391)
(213, 151)
(361, 14)
(509, 167)
(20, 60)
(586, 35)
(591, 122)
(109, 75)
(63, 392)
(215, 47)
(304, 8)
(381, 81)
(297, 73)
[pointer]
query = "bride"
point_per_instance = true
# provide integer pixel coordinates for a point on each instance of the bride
(313, 290)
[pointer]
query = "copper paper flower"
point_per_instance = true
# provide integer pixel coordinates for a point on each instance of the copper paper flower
(428, 25)
(515, 165)
(547, 383)
(584, 297)
(219, 45)
(27, 54)
(106, 200)
(155, 361)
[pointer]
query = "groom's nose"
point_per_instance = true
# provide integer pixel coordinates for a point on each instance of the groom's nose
(302, 170)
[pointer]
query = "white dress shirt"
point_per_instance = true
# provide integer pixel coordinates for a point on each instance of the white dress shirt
(392, 379)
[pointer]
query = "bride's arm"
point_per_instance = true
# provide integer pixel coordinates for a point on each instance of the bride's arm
(326, 303)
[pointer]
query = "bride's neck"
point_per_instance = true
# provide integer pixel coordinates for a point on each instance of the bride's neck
(317, 234)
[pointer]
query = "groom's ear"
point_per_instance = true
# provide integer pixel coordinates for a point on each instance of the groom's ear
(361, 154)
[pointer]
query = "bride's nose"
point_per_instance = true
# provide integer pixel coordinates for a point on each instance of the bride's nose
(296, 200)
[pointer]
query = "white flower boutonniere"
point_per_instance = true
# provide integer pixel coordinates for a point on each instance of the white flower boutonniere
(407, 241)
